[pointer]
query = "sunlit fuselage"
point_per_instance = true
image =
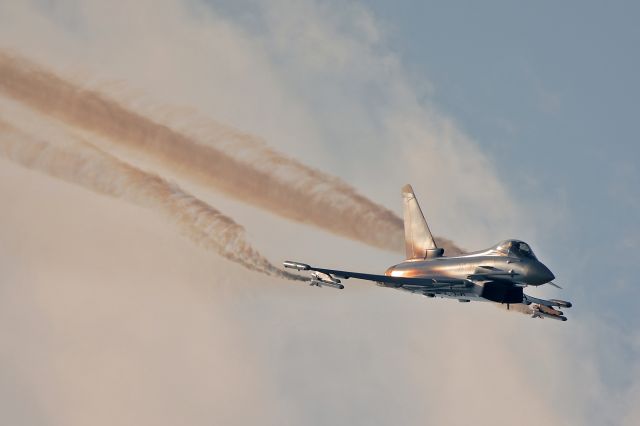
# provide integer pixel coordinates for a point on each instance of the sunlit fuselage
(522, 271)
(497, 274)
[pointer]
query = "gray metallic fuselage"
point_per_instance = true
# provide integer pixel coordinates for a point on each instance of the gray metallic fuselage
(484, 273)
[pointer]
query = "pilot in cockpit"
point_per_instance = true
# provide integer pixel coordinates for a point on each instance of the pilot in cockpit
(515, 248)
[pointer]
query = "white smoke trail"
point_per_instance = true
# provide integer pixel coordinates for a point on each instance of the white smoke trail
(264, 178)
(98, 171)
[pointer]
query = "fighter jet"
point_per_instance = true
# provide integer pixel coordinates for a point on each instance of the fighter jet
(497, 274)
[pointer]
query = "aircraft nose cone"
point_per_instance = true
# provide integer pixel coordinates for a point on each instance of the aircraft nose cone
(542, 274)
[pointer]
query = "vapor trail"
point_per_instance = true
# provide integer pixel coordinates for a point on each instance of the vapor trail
(266, 179)
(98, 171)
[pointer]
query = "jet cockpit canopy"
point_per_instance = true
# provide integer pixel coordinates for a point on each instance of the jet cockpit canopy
(515, 248)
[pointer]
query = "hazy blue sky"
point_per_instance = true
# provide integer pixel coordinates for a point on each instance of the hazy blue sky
(550, 90)
(510, 119)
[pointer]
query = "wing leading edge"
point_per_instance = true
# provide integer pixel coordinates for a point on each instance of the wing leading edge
(385, 280)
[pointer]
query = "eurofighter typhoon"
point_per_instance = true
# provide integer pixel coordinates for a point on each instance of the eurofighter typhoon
(498, 274)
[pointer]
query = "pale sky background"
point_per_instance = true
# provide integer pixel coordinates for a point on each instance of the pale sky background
(549, 90)
(509, 119)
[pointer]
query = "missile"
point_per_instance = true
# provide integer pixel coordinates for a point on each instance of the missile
(541, 311)
(549, 310)
(295, 265)
(555, 317)
(561, 303)
(322, 283)
(321, 279)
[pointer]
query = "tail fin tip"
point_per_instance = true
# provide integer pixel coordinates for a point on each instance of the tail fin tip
(407, 190)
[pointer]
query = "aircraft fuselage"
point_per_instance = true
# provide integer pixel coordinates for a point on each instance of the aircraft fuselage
(497, 278)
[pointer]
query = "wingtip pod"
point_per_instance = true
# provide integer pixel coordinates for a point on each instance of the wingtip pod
(296, 265)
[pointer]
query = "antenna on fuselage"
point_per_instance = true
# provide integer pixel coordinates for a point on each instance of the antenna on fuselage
(419, 243)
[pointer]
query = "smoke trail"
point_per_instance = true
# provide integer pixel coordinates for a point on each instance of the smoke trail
(273, 182)
(98, 171)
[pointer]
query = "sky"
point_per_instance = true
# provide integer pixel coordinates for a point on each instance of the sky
(548, 91)
(509, 119)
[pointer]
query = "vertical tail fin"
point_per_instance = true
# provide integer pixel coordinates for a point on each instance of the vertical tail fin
(418, 240)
